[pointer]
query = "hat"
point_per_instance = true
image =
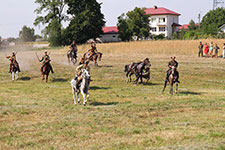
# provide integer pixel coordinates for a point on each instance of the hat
(173, 57)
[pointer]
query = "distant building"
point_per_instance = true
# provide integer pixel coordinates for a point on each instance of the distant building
(222, 28)
(163, 21)
(110, 34)
(185, 26)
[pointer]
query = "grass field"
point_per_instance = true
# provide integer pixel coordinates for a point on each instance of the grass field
(36, 115)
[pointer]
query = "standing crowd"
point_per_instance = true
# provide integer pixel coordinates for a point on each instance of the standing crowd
(210, 50)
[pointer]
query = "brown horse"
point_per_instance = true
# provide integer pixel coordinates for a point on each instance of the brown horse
(94, 57)
(45, 71)
(173, 79)
(137, 69)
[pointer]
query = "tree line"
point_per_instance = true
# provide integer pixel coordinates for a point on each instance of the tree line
(86, 21)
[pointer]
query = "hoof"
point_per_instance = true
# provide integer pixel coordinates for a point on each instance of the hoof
(79, 102)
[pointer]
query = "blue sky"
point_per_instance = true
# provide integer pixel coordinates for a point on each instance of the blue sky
(16, 13)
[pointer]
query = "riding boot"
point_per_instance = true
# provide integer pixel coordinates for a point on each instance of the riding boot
(10, 68)
(51, 68)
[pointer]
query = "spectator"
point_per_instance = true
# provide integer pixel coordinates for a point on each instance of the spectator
(216, 50)
(223, 50)
(211, 49)
(200, 50)
(206, 51)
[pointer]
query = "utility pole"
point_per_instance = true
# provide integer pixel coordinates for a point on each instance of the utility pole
(199, 18)
(218, 3)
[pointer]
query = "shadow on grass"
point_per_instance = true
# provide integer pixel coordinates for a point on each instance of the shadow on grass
(103, 104)
(150, 83)
(105, 66)
(59, 80)
(25, 78)
(99, 88)
(189, 93)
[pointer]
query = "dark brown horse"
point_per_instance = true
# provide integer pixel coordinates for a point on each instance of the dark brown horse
(94, 57)
(137, 69)
(172, 79)
(45, 71)
(72, 56)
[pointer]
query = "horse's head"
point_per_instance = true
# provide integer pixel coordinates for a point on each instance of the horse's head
(85, 74)
(147, 63)
(173, 70)
(99, 56)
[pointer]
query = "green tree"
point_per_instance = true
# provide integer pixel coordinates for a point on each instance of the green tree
(27, 34)
(212, 21)
(51, 14)
(192, 26)
(125, 34)
(87, 21)
(134, 23)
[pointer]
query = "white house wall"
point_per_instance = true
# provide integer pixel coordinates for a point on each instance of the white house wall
(110, 38)
(169, 20)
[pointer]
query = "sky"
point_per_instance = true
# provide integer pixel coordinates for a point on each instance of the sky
(14, 14)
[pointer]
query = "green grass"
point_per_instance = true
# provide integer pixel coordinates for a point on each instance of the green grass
(39, 115)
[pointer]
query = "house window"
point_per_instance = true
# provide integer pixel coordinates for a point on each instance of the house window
(153, 20)
(154, 29)
(113, 36)
(161, 20)
(162, 29)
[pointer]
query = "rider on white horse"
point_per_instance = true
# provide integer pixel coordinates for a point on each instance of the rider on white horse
(78, 77)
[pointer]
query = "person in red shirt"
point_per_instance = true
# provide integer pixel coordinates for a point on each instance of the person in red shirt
(206, 51)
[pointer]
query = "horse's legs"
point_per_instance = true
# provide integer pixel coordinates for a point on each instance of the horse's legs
(141, 78)
(137, 78)
(43, 76)
(12, 76)
(164, 86)
(46, 78)
(171, 87)
(78, 98)
(16, 75)
(87, 96)
(84, 99)
(176, 91)
(130, 76)
(74, 96)
(127, 76)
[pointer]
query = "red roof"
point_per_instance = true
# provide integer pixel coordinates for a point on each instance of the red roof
(185, 26)
(160, 11)
(110, 30)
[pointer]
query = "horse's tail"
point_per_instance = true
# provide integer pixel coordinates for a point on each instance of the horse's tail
(126, 68)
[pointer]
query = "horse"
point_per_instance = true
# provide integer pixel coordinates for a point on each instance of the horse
(45, 71)
(137, 69)
(14, 71)
(83, 88)
(173, 79)
(72, 56)
(94, 57)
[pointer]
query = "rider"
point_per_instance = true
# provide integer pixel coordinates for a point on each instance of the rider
(73, 47)
(46, 59)
(78, 76)
(172, 63)
(93, 50)
(12, 58)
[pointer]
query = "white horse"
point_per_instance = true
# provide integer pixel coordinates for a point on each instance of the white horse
(14, 72)
(83, 89)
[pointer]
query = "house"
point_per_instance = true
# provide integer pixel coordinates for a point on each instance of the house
(110, 34)
(222, 28)
(163, 21)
